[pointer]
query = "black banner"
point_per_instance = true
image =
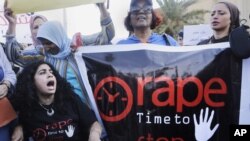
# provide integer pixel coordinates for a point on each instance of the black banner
(155, 93)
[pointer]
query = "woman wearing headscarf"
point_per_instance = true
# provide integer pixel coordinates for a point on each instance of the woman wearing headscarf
(57, 52)
(225, 17)
(35, 22)
(225, 65)
(14, 50)
(62, 57)
(20, 58)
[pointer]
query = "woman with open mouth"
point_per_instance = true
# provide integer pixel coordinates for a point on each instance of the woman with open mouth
(224, 17)
(49, 109)
(140, 22)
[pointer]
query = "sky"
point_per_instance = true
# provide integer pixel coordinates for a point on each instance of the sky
(86, 18)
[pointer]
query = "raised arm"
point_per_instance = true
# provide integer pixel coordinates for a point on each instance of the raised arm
(107, 33)
(11, 18)
(13, 49)
(9, 79)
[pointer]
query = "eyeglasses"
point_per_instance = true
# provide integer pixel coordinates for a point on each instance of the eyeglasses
(145, 10)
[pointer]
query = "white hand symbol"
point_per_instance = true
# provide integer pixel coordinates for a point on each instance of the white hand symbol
(202, 130)
(70, 131)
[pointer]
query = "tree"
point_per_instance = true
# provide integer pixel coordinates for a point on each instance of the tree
(175, 15)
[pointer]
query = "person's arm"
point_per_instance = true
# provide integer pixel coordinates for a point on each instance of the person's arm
(11, 18)
(13, 49)
(17, 134)
(106, 35)
(88, 120)
(103, 11)
(9, 75)
(16, 55)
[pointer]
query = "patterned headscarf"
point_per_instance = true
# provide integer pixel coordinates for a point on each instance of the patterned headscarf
(54, 32)
(33, 36)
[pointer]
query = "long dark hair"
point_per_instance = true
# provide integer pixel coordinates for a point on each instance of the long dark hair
(25, 96)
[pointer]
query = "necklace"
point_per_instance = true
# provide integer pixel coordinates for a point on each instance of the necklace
(50, 112)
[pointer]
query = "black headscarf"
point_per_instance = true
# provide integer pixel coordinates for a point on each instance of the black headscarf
(235, 15)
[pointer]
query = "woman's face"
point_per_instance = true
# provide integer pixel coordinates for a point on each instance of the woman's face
(45, 81)
(37, 23)
(49, 47)
(141, 17)
(220, 17)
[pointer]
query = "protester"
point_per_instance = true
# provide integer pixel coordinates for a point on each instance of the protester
(180, 38)
(57, 51)
(35, 22)
(60, 54)
(21, 58)
(49, 109)
(7, 82)
(102, 38)
(140, 21)
(224, 18)
(16, 51)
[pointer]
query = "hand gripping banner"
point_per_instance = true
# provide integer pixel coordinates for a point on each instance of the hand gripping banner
(148, 92)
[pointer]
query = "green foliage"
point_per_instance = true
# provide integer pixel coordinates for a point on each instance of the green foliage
(176, 15)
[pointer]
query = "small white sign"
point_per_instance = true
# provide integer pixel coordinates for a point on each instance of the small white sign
(193, 34)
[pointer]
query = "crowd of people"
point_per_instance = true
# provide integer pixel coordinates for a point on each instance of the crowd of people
(41, 81)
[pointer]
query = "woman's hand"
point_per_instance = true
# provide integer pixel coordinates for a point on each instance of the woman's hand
(104, 12)
(17, 134)
(95, 132)
(9, 15)
(3, 90)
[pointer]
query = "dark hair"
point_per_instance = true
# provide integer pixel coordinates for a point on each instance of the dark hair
(234, 15)
(25, 96)
(180, 34)
(129, 27)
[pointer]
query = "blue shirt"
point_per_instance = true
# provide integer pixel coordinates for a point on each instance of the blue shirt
(153, 39)
(72, 79)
